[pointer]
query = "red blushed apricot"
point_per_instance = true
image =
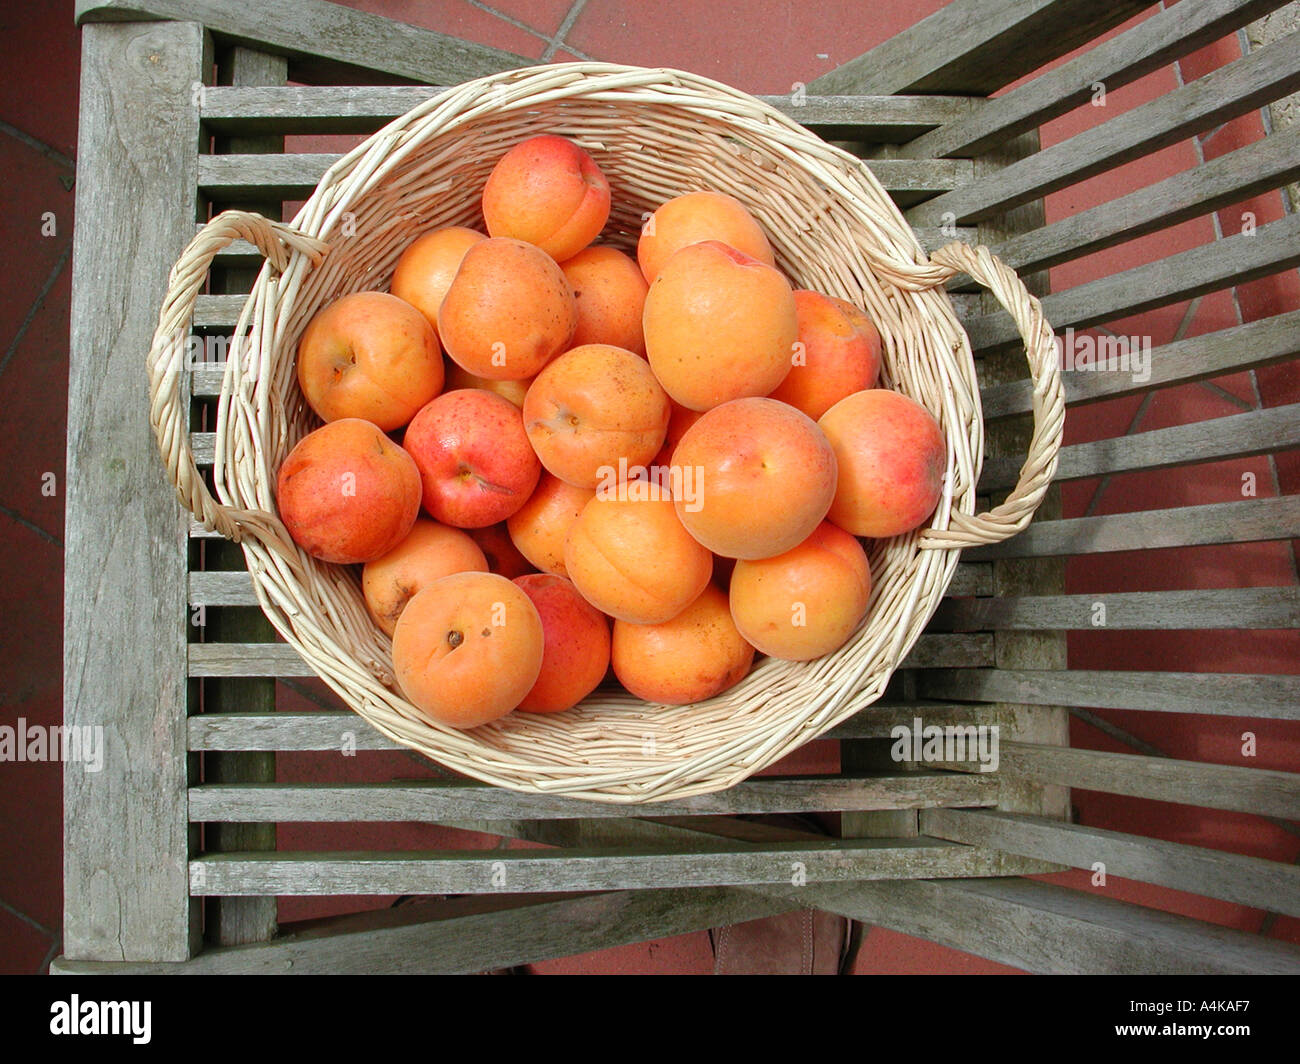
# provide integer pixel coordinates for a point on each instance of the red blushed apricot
(541, 526)
(632, 559)
(840, 354)
(891, 457)
(693, 656)
(591, 407)
(610, 292)
(426, 268)
(430, 552)
(806, 602)
(549, 192)
(719, 325)
(696, 217)
(765, 476)
(347, 493)
(475, 462)
(372, 356)
(576, 654)
(508, 312)
(467, 649)
(498, 548)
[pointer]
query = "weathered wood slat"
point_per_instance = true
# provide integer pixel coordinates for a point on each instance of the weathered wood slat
(126, 835)
(294, 176)
(1246, 790)
(323, 40)
(976, 46)
(1250, 521)
(1252, 881)
(440, 801)
(280, 659)
(1266, 164)
(1222, 263)
(1220, 694)
(471, 934)
(1248, 346)
(1163, 37)
(366, 108)
(1217, 439)
(1257, 78)
(1236, 608)
(1048, 929)
(333, 729)
(530, 871)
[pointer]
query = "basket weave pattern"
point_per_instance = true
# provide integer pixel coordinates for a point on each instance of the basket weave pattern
(655, 134)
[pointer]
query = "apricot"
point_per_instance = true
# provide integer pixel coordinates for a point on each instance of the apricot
(347, 493)
(575, 655)
(695, 655)
(467, 649)
(840, 354)
(498, 548)
(425, 269)
(508, 312)
(891, 457)
(591, 407)
(458, 378)
(539, 528)
(806, 602)
(372, 356)
(429, 552)
(719, 325)
(610, 292)
(765, 475)
(476, 464)
(548, 191)
(634, 560)
(696, 217)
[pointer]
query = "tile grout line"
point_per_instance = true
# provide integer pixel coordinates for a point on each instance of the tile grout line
(16, 912)
(53, 154)
(14, 515)
(37, 303)
(557, 42)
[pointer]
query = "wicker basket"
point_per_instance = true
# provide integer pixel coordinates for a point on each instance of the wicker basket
(656, 134)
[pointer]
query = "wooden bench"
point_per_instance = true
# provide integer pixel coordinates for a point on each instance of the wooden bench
(171, 860)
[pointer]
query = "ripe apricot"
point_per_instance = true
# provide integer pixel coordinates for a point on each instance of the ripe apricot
(610, 292)
(425, 269)
(575, 657)
(695, 217)
(840, 354)
(540, 527)
(428, 553)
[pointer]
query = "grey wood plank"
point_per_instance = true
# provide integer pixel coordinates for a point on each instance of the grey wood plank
(1235, 608)
(280, 659)
(1160, 39)
(1251, 881)
(323, 40)
(295, 175)
(331, 729)
(1249, 346)
(1222, 263)
(366, 108)
(976, 46)
(1219, 694)
(1257, 78)
(1264, 165)
(1213, 440)
(1049, 929)
(236, 921)
(1249, 521)
(1247, 790)
(529, 871)
(439, 801)
(466, 935)
(125, 548)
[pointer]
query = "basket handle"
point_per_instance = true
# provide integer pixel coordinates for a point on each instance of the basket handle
(1011, 517)
(168, 394)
